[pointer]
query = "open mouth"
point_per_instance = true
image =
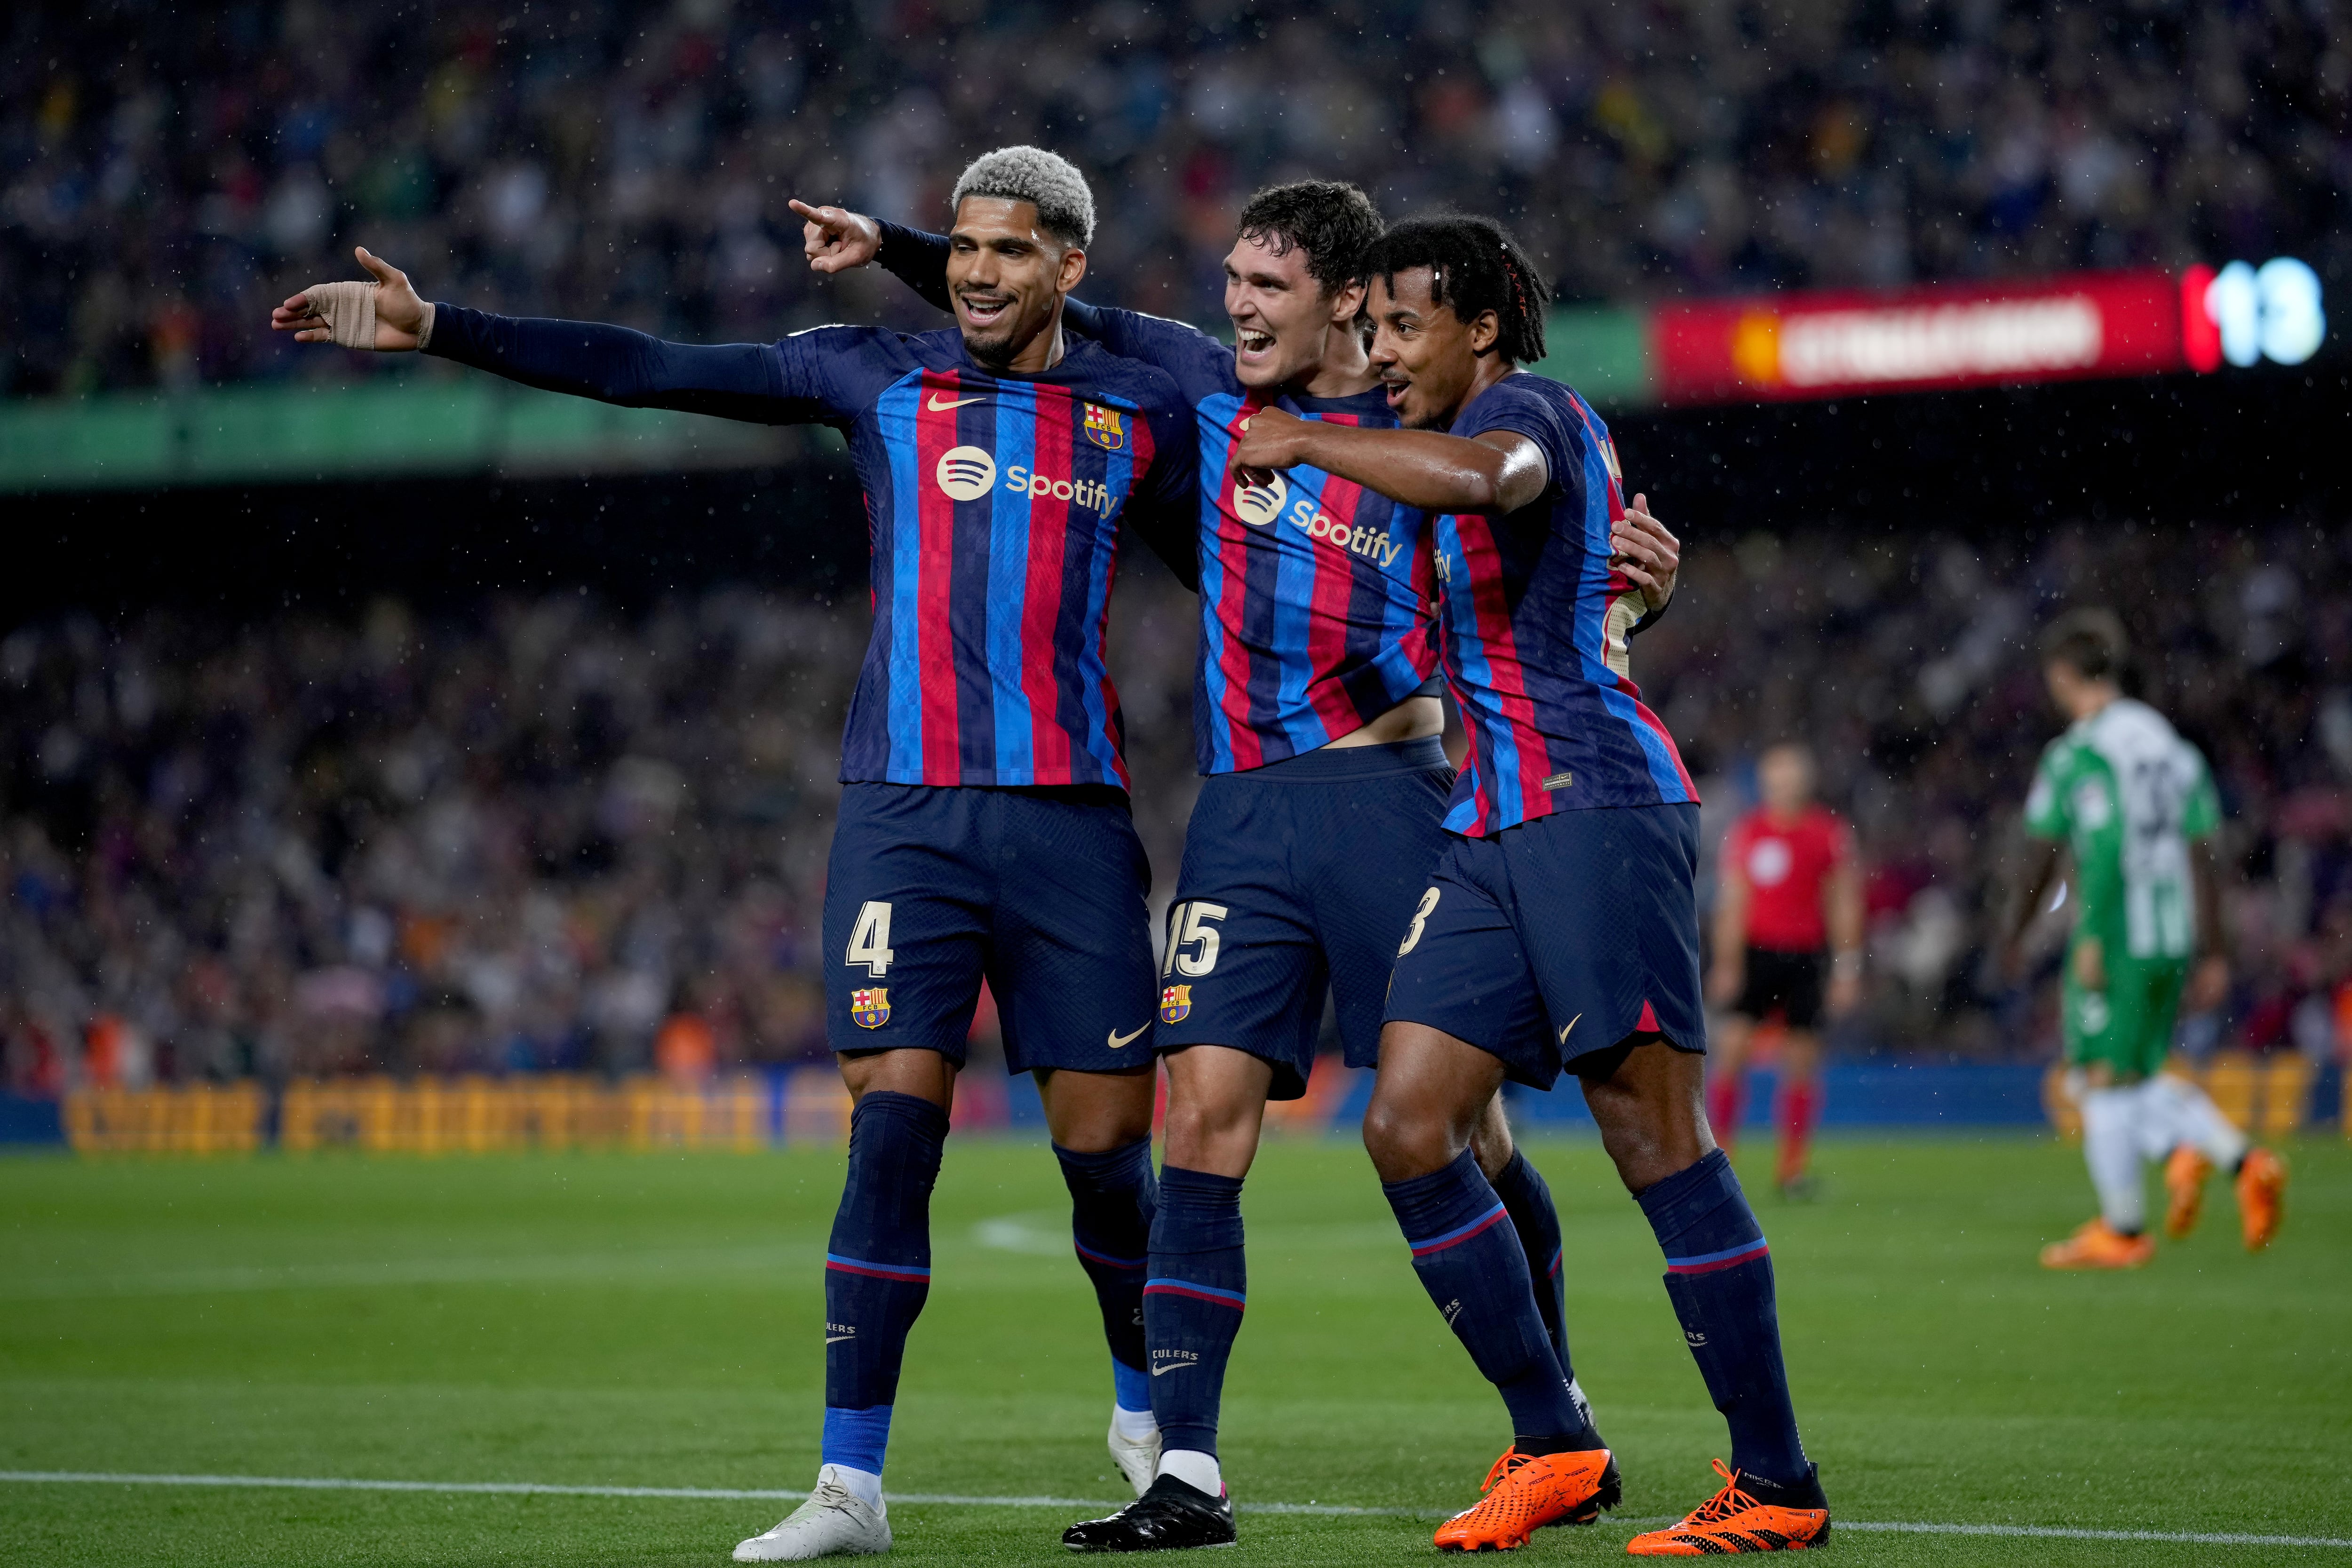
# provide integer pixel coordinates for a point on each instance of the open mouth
(984, 309)
(1251, 342)
(1395, 391)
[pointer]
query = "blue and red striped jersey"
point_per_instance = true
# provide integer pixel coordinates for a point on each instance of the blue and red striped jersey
(993, 504)
(1533, 621)
(1313, 590)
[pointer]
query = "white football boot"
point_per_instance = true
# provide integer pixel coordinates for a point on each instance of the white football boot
(1138, 1459)
(834, 1522)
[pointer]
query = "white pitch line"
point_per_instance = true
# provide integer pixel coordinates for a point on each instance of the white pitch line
(2062, 1532)
(722, 1494)
(736, 1494)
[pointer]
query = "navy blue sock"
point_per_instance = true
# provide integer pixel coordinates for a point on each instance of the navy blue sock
(878, 1269)
(1470, 1263)
(1192, 1303)
(1719, 1278)
(1528, 1199)
(1112, 1196)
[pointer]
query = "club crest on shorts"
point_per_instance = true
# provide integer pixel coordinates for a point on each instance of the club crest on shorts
(1104, 429)
(1175, 1003)
(869, 1009)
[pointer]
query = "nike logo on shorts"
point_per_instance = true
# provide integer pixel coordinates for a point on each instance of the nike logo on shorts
(1172, 1366)
(836, 1339)
(1572, 1025)
(936, 406)
(1118, 1039)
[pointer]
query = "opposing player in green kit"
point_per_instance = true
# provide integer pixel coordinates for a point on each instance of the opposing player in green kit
(2135, 805)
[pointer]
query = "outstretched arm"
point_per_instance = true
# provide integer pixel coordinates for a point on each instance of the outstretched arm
(585, 358)
(835, 239)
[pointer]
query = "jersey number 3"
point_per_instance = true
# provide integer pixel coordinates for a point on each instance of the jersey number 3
(869, 941)
(1419, 919)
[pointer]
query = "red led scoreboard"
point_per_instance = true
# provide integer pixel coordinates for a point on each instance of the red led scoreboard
(1833, 345)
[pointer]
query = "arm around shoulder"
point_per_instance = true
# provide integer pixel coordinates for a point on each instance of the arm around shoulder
(1494, 472)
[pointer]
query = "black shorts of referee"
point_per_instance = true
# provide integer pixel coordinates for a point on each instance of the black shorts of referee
(1786, 986)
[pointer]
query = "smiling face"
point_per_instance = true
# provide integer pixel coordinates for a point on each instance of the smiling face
(1427, 357)
(1282, 316)
(1008, 277)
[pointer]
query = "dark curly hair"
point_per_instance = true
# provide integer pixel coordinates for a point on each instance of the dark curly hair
(1474, 266)
(1332, 221)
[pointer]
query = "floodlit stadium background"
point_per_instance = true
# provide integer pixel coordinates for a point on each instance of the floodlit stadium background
(363, 724)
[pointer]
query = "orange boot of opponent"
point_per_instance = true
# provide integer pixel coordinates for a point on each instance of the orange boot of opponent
(2184, 1191)
(1525, 1493)
(2261, 1196)
(2098, 1245)
(1736, 1520)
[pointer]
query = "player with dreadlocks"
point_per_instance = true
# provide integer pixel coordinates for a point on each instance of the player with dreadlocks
(1561, 928)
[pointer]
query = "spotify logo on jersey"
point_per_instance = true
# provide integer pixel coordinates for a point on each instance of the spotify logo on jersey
(1257, 504)
(966, 473)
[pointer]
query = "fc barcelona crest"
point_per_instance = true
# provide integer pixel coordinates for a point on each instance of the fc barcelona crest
(869, 1009)
(1175, 1003)
(1104, 429)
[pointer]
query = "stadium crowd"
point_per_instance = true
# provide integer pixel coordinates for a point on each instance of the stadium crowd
(168, 172)
(544, 834)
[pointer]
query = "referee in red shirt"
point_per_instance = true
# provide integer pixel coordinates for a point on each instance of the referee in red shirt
(1787, 907)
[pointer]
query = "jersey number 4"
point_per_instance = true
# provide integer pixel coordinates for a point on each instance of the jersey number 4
(869, 941)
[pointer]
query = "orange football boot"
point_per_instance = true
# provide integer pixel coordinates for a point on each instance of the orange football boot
(2096, 1247)
(1526, 1492)
(2184, 1186)
(1733, 1520)
(2261, 1196)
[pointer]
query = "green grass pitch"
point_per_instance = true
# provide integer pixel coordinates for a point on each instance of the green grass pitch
(654, 1320)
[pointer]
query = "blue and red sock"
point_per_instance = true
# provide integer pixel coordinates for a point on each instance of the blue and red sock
(1472, 1263)
(878, 1269)
(1112, 1198)
(1719, 1278)
(1192, 1303)
(1528, 1199)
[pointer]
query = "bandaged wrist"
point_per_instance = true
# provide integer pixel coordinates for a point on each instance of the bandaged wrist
(425, 327)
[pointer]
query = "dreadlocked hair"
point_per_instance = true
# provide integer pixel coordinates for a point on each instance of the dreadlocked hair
(1473, 266)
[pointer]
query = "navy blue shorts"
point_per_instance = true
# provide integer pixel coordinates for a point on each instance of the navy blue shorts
(930, 889)
(1559, 937)
(1298, 878)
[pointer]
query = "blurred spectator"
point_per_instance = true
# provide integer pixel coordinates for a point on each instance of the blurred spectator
(538, 833)
(167, 173)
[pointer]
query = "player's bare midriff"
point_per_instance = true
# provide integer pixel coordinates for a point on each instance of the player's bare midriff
(1410, 720)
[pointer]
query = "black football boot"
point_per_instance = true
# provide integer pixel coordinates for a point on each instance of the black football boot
(1171, 1517)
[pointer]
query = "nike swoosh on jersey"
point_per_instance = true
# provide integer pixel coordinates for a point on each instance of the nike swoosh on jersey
(1118, 1039)
(936, 406)
(1572, 1025)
